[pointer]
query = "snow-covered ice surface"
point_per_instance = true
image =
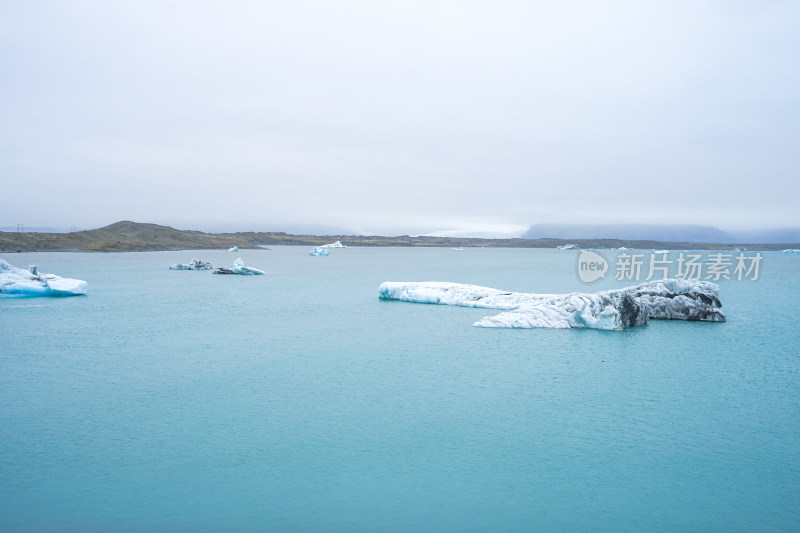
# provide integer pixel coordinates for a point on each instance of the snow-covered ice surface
(240, 269)
(194, 264)
(671, 299)
(20, 282)
(325, 248)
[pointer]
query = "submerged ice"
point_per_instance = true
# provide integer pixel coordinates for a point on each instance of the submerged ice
(20, 282)
(671, 299)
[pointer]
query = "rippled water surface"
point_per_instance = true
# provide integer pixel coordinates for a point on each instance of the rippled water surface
(297, 401)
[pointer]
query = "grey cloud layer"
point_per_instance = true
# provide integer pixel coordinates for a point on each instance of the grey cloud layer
(402, 115)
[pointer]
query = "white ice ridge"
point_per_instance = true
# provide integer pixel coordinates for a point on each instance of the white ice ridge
(671, 299)
(337, 244)
(194, 264)
(239, 268)
(20, 282)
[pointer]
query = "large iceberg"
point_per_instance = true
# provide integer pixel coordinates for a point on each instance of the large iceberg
(194, 264)
(568, 247)
(20, 282)
(671, 299)
(234, 249)
(240, 269)
(791, 251)
(337, 244)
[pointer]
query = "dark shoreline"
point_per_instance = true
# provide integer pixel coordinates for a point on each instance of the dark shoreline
(129, 236)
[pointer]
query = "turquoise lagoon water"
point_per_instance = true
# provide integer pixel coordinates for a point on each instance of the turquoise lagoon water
(297, 401)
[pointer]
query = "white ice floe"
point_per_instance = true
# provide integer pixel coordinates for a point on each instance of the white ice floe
(194, 264)
(234, 249)
(337, 244)
(568, 247)
(661, 251)
(20, 282)
(671, 299)
(791, 251)
(319, 251)
(240, 269)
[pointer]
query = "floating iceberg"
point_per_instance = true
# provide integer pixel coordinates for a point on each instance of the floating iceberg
(661, 251)
(671, 299)
(325, 248)
(234, 249)
(20, 282)
(240, 269)
(568, 247)
(195, 264)
(791, 251)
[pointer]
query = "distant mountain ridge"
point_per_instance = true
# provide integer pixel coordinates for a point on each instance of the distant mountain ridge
(127, 236)
(658, 232)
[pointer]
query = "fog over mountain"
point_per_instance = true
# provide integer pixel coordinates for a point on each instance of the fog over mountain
(668, 233)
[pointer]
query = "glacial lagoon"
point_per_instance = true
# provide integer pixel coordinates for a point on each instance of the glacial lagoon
(297, 400)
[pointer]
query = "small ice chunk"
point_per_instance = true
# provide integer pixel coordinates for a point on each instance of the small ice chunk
(234, 249)
(194, 264)
(319, 251)
(240, 269)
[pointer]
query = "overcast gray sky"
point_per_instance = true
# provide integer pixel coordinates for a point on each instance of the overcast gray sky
(399, 116)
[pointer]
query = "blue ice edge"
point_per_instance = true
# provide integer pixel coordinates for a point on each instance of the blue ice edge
(21, 283)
